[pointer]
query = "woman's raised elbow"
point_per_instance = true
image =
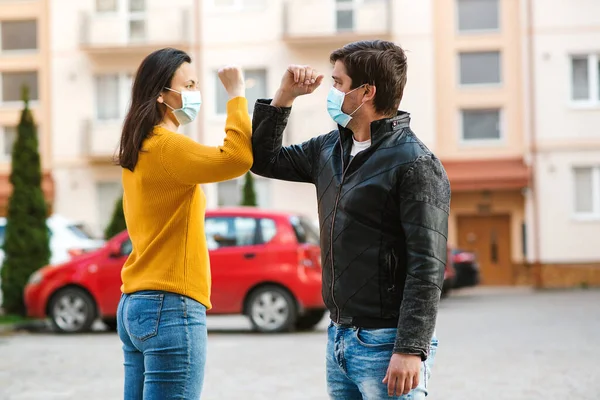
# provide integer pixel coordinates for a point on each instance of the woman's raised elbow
(243, 164)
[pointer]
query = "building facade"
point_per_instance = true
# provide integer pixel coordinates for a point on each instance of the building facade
(506, 93)
(24, 61)
(565, 126)
(480, 130)
(96, 48)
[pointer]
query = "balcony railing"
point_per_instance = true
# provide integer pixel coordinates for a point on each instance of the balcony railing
(336, 20)
(152, 28)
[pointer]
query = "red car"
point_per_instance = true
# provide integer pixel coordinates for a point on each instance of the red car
(265, 265)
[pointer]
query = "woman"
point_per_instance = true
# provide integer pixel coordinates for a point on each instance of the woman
(166, 279)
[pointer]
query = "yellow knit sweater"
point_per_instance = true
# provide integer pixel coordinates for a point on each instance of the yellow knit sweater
(164, 205)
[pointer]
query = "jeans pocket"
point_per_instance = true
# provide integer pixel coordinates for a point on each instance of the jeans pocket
(142, 315)
(376, 338)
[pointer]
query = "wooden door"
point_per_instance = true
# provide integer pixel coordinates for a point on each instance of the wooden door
(489, 238)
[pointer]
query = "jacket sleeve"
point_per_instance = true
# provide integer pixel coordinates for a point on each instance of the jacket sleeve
(424, 206)
(293, 163)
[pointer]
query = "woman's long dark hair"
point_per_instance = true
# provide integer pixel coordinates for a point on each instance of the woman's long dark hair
(154, 74)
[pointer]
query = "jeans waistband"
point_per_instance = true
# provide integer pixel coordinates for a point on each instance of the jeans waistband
(365, 322)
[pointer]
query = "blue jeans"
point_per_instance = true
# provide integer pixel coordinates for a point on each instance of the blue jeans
(357, 361)
(164, 342)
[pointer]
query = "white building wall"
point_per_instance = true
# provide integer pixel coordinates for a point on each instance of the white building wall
(568, 132)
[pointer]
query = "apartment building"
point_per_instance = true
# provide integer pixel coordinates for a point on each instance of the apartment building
(96, 47)
(24, 55)
(564, 51)
(484, 77)
(480, 130)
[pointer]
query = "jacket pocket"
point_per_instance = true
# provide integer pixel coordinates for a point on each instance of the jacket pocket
(392, 266)
(143, 315)
(376, 338)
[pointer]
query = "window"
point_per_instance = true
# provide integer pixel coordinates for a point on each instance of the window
(344, 15)
(230, 232)
(106, 5)
(18, 35)
(78, 232)
(137, 20)
(587, 191)
(305, 231)
(585, 79)
(137, 5)
(268, 230)
(230, 192)
(256, 88)
(107, 97)
(481, 125)
(8, 138)
(14, 82)
(480, 68)
(126, 247)
(478, 15)
(137, 30)
(113, 92)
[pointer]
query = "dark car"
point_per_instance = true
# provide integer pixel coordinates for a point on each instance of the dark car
(466, 267)
(449, 275)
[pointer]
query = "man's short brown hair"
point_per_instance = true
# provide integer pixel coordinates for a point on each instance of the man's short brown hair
(379, 63)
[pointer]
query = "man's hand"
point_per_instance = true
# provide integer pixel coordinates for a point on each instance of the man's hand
(402, 374)
(297, 81)
(232, 79)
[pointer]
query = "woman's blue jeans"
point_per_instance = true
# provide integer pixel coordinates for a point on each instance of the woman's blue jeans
(164, 342)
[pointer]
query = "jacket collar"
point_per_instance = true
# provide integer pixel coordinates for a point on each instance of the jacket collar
(389, 125)
(382, 127)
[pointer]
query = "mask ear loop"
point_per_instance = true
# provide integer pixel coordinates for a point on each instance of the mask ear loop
(361, 104)
(172, 90)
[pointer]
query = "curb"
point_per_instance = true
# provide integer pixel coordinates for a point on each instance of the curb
(28, 326)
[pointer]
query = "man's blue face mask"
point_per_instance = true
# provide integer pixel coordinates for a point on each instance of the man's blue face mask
(335, 101)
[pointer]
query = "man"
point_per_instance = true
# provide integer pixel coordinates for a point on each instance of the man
(383, 201)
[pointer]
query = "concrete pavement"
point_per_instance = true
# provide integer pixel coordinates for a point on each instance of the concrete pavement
(494, 345)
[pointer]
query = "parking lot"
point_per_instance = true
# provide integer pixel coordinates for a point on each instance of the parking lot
(494, 344)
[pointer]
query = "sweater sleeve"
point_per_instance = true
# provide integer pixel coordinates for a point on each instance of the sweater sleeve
(191, 163)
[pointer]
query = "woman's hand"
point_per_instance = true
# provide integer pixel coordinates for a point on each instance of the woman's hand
(232, 79)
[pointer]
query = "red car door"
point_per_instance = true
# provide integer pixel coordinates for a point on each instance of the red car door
(109, 276)
(235, 258)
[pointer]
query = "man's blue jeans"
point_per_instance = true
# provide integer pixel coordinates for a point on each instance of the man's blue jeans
(164, 342)
(357, 361)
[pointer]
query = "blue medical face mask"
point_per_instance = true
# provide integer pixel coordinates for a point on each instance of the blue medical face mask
(335, 101)
(191, 100)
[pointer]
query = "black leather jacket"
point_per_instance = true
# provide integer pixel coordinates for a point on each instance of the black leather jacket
(383, 217)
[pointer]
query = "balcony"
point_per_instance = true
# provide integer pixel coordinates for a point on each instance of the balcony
(336, 22)
(100, 140)
(139, 32)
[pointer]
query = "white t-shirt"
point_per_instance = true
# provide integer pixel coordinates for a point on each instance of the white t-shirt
(357, 147)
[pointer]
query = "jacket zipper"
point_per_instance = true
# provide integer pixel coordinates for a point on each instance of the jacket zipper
(335, 207)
